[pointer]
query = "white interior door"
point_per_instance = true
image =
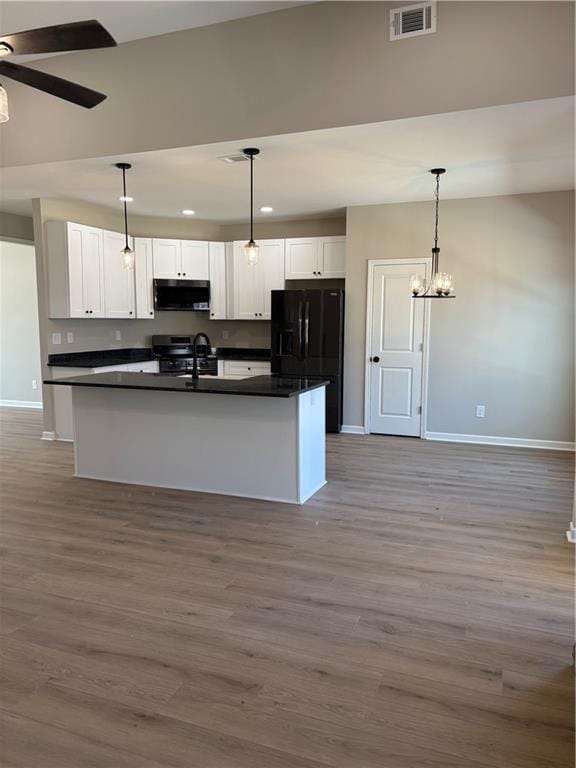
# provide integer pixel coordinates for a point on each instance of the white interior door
(396, 350)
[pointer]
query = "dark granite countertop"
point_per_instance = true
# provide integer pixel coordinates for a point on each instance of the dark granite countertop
(255, 386)
(100, 357)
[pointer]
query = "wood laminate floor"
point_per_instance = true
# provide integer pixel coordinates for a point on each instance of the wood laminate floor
(417, 613)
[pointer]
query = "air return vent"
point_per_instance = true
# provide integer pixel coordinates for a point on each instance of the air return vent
(412, 20)
(234, 159)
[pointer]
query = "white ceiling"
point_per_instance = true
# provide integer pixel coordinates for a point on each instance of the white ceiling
(512, 149)
(128, 19)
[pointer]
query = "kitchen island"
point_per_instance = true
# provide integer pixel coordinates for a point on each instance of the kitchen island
(261, 437)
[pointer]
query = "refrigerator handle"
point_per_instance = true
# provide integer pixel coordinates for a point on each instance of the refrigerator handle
(300, 341)
(306, 327)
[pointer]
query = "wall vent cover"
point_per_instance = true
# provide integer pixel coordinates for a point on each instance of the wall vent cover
(412, 20)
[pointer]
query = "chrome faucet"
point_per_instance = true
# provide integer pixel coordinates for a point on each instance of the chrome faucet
(195, 352)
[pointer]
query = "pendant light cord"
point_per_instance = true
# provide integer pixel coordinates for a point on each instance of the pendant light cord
(251, 198)
(125, 207)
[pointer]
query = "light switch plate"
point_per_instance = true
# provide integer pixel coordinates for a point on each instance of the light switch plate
(70, 337)
(480, 411)
(56, 338)
(118, 335)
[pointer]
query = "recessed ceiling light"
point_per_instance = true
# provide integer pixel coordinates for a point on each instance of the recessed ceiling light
(126, 199)
(188, 212)
(266, 209)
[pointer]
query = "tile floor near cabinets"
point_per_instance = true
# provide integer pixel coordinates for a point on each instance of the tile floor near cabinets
(417, 613)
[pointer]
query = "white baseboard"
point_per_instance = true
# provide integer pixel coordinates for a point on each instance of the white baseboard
(21, 404)
(48, 435)
(571, 533)
(350, 429)
(514, 442)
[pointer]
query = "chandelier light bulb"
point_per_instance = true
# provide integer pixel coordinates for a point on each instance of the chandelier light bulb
(251, 251)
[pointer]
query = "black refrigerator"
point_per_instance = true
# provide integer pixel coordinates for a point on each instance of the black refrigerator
(308, 340)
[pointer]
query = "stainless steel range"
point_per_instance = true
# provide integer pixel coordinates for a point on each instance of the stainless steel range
(175, 355)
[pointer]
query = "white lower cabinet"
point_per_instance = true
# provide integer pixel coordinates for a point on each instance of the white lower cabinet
(252, 284)
(144, 277)
(243, 369)
(118, 282)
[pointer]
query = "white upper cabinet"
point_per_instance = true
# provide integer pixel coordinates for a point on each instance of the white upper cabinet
(180, 259)
(167, 258)
(252, 284)
(271, 260)
(315, 258)
(194, 264)
(75, 270)
(143, 273)
(301, 258)
(332, 257)
(217, 276)
(118, 281)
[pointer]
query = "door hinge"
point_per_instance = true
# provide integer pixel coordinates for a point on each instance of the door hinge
(419, 409)
(421, 347)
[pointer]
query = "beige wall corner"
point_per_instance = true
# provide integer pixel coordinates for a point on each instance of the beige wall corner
(507, 340)
(17, 228)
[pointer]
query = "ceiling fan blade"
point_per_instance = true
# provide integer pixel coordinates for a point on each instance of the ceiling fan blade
(56, 86)
(79, 35)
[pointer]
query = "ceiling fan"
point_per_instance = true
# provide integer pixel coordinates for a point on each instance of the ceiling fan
(79, 35)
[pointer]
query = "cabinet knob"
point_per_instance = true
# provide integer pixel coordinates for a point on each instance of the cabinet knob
(184, 274)
(178, 273)
(130, 313)
(151, 313)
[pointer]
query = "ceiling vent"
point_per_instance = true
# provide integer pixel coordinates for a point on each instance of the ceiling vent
(241, 158)
(412, 20)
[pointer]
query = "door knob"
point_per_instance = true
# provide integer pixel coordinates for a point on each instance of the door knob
(375, 359)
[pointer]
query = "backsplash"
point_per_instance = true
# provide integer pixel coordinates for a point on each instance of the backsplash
(101, 334)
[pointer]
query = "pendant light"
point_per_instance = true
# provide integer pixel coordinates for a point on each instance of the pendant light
(126, 253)
(441, 284)
(251, 248)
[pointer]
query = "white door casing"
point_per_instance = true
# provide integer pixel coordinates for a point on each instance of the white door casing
(395, 348)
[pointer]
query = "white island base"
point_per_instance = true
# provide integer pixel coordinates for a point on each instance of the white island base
(262, 447)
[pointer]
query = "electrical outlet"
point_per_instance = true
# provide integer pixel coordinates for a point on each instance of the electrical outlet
(480, 411)
(225, 335)
(118, 335)
(56, 338)
(70, 337)
(34, 384)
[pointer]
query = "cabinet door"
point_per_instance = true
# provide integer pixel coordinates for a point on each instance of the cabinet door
(271, 267)
(92, 272)
(302, 258)
(217, 257)
(194, 260)
(247, 286)
(75, 237)
(332, 257)
(143, 274)
(118, 282)
(166, 258)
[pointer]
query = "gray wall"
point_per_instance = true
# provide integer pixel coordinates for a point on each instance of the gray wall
(19, 342)
(507, 340)
(316, 66)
